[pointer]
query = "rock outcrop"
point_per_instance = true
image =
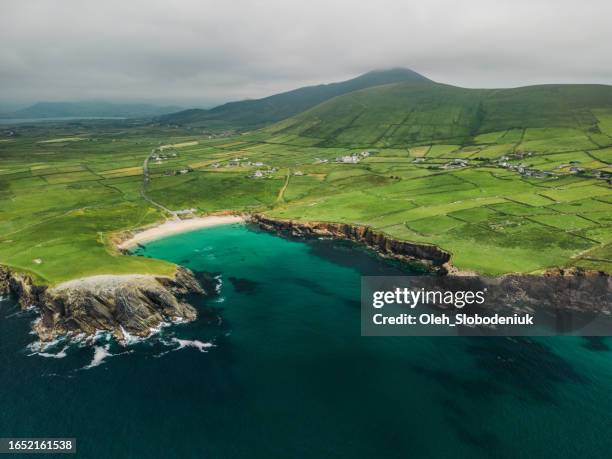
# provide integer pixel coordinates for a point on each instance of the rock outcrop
(436, 258)
(5, 279)
(20, 285)
(557, 289)
(121, 304)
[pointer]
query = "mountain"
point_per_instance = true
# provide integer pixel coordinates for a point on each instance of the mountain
(408, 113)
(88, 109)
(249, 114)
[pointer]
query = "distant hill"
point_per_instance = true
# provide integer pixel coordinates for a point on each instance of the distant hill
(89, 109)
(249, 114)
(407, 113)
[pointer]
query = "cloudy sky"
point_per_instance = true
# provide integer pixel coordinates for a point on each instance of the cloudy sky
(203, 52)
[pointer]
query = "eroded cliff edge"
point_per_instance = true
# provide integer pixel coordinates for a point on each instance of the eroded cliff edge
(433, 257)
(121, 304)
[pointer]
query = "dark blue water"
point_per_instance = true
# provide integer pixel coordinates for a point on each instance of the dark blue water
(275, 367)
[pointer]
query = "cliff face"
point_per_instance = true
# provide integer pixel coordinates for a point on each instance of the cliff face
(557, 289)
(21, 285)
(135, 304)
(430, 255)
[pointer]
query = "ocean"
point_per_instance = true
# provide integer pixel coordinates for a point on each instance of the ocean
(275, 367)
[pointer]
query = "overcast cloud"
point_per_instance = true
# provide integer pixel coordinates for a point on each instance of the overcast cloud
(199, 53)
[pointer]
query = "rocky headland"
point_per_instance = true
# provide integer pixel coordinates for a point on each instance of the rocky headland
(121, 304)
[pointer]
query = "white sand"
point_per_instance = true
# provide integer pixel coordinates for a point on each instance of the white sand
(179, 226)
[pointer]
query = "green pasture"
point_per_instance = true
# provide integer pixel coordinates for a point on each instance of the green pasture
(61, 200)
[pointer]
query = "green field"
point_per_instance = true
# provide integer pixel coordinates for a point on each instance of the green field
(506, 180)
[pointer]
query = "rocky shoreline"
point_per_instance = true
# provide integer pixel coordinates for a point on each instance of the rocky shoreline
(436, 259)
(124, 305)
(431, 256)
(137, 305)
(566, 289)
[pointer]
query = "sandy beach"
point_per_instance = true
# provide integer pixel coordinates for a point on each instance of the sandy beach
(179, 226)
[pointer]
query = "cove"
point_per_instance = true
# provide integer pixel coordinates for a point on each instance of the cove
(275, 366)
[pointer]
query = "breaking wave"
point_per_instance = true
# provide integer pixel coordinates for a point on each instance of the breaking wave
(219, 284)
(60, 355)
(100, 354)
(199, 345)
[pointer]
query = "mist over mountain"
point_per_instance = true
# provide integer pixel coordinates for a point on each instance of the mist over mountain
(87, 109)
(399, 106)
(260, 112)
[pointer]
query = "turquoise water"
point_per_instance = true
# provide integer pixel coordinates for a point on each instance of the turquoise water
(288, 374)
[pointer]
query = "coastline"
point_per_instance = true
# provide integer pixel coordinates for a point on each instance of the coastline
(138, 303)
(430, 256)
(130, 303)
(122, 304)
(172, 227)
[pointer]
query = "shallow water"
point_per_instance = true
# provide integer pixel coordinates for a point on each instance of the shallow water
(275, 367)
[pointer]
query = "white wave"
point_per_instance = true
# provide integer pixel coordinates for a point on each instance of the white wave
(33, 325)
(60, 355)
(39, 346)
(220, 299)
(219, 283)
(166, 342)
(34, 347)
(156, 330)
(100, 336)
(129, 339)
(199, 345)
(41, 349)
(100, 353)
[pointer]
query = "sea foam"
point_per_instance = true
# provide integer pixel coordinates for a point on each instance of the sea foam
(199, 345)
(100, 353)
(60, 355)
(130, 339)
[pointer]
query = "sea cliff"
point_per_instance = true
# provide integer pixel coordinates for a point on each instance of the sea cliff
(138, 304)
(433, 257)
(121, 304)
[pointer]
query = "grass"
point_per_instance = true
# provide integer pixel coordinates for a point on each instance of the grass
(61, 200)
(546, 118)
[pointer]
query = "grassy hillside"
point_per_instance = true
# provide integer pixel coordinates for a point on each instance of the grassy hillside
(407, 114)
(506, 180)
(249, 114)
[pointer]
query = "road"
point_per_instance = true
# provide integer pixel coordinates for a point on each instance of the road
(145, 183)
(281, 193)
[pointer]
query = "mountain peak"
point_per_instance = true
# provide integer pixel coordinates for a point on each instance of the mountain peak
(395, 75)
(260, 112)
